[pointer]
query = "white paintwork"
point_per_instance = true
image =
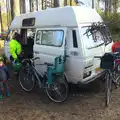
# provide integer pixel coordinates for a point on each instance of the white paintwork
(48, 53)
(64, 16)
(66, 19)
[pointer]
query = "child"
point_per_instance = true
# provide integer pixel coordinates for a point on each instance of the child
(4, 76)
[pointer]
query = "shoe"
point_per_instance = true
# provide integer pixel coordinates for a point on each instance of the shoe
(8, 94)
(1, 97)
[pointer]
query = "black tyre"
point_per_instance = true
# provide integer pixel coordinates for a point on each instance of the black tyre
(26, 80)
(117, 75)
(58, 91)
(108, 88)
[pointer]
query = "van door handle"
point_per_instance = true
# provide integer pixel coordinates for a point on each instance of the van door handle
(36, 52)
(75, 53)
(67, 56)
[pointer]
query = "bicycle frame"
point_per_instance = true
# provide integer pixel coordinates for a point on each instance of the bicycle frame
(111, 72)
(116, 62)
(37, 75)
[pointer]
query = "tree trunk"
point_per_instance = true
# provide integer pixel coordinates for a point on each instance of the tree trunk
(8, 12)
(22, 6)
(4, 15)
(92, 3)
(106, 6)
(61, 3)
(15, 8)
(33, 5)
(70, 2)
(65, 2)
(0, 20)
(42, 4)
(115, 5)
(56, 3)
(110, 5)
(37, 5)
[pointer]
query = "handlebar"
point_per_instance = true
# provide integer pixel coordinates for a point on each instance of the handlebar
(116, 55)
(35, 58)
(30, 60)
(49, 64)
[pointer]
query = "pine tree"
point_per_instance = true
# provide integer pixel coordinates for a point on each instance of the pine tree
(56, 3)
(15, 8)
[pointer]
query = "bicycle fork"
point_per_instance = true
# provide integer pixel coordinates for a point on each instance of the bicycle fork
(38, 79)
(41, 80)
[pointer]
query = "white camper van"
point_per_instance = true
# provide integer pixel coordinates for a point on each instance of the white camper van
(65, 31)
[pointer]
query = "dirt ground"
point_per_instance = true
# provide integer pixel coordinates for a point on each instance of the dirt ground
(82, 104)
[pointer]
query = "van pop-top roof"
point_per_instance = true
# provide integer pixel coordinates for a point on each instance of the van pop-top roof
(64, 16)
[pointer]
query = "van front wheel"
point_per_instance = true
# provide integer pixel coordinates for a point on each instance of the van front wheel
(58, 90)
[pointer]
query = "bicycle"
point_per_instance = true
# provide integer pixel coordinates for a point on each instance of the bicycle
(112, 74)
(53, 81)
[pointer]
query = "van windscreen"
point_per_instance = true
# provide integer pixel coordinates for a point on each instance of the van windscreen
(100, 28)
(92, 40)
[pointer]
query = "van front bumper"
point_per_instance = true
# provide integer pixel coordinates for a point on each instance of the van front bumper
(91, 78)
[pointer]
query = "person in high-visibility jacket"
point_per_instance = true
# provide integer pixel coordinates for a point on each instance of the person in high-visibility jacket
(15, 47)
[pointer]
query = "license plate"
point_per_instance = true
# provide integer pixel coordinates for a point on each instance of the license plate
(98, 69)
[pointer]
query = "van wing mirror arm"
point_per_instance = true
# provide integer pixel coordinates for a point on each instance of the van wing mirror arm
(67, 56)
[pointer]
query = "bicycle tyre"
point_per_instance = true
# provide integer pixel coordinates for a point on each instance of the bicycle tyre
(117, 75)
(58, 79)
(23, 83)
(108, 88)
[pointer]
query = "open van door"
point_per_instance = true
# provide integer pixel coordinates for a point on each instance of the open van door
(48, 44)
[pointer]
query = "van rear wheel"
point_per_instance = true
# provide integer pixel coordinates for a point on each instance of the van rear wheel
(58, 90)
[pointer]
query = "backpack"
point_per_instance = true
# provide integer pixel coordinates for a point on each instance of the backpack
(107, 61)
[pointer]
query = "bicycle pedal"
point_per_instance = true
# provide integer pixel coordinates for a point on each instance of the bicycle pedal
(40, 86)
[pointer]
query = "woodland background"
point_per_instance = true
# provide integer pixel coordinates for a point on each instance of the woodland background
(110, 10)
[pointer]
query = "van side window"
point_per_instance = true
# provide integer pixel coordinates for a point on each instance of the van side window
(38, 37)
(50, 37)
(75, 44)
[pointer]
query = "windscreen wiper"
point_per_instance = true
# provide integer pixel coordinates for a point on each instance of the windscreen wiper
(96, 46)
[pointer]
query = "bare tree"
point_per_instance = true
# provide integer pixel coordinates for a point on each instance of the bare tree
(15, 8)
(106, 6)
(22, 6)
(65, 2)
(37, 5)
(115, 5)
(0, 20)
(31, 5)
(56, 3)
(92, 3)
(8, 8)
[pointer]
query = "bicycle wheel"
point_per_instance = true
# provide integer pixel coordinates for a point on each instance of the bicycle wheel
(108, 88)
(58, 90)
(26, 80)
(117, 75)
